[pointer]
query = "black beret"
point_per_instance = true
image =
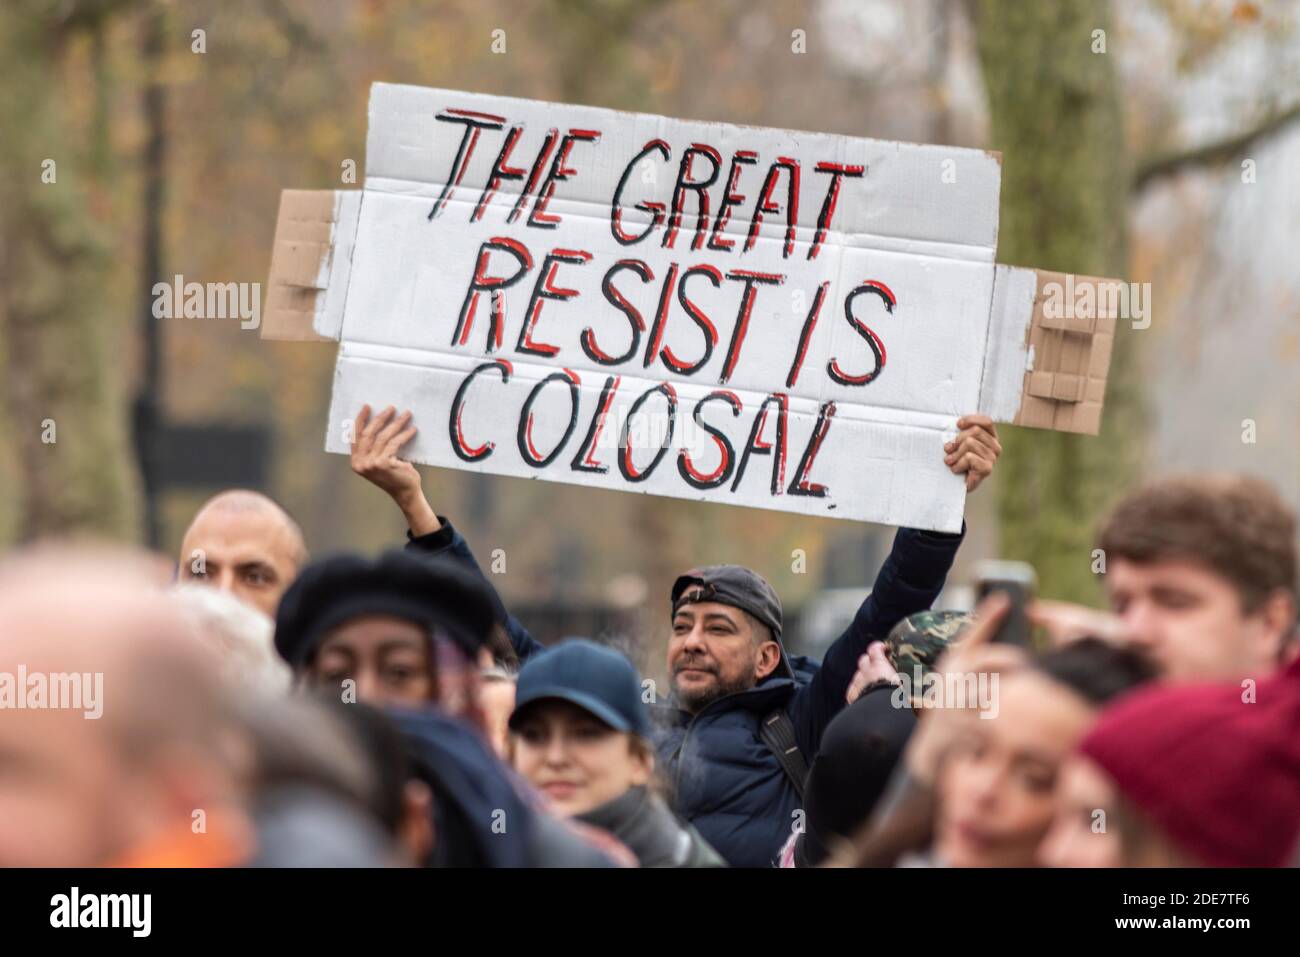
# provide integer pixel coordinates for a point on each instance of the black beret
(430, 592)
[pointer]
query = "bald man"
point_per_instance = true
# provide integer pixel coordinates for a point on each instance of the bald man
(243, 543)
(123, 733)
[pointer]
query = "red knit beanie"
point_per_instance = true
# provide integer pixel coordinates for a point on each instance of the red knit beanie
(1218, 775)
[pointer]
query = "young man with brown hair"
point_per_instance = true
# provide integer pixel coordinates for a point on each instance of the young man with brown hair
(1200, 572)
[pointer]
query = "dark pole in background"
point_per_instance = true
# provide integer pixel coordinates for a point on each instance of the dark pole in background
(148, 401)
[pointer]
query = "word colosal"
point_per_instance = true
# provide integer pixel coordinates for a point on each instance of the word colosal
(716, 200)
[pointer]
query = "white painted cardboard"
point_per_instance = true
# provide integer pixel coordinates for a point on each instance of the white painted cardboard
(921, 221)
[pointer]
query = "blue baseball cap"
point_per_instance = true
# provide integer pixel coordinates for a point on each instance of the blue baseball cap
(597, 679)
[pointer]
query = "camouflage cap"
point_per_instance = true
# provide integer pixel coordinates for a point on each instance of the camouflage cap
(918, 640)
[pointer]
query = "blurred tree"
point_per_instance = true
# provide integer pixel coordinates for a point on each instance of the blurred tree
(1055, 114)
(65, 407)
(148, 401)
(595, 35)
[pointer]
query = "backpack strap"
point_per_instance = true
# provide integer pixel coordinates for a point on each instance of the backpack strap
(777, 731)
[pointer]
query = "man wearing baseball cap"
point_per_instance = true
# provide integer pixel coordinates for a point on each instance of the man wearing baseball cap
(742, 720)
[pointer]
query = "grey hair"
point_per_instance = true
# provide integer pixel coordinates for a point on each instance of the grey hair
(240, 637)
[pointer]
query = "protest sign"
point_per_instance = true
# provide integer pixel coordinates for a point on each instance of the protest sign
(759, 317)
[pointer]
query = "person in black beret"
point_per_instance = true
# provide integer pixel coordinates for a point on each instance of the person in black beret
(395, 630)
(403, 633)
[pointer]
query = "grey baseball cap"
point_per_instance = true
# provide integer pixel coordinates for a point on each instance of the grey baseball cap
(737, 586)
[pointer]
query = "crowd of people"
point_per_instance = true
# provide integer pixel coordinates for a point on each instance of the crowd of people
(249, 705)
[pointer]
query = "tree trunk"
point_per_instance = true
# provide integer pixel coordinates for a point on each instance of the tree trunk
(65, 418)
(1056, 117)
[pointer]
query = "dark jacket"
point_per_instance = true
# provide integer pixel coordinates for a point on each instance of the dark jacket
(859, 752)
(481, 819)
(727, 782)
(644, 823)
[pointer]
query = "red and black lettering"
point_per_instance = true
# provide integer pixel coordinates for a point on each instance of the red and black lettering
(837, 172)
(524, 436)
(545, 289)
(699, 187)
(756, 445)
(559, 172)
(706, 325)
(727, 454)
(625, 446)
(475, 123)
(539, 164)
(619, 302)
(582, 461)
(661, 316)
(870, 287)
(482, 282)
(730, 198)
(801, 485)
(500, 172)
(805, 335)
(751, 280)
(765, 204)
(655, 209)
(458, 443)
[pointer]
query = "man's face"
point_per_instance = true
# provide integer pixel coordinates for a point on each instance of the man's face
(250, 553)
(1191, 621)
(388, 659)
(714, 651)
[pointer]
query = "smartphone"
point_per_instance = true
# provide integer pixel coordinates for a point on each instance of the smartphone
(1018, 580)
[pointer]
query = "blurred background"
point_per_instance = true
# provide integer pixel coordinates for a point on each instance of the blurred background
(1153, 140)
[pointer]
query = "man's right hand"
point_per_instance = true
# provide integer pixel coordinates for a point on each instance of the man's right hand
(375, 444)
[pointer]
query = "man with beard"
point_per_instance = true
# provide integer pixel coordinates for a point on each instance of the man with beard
(734, 737)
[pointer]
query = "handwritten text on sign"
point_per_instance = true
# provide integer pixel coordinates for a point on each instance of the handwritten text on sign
(764, 317)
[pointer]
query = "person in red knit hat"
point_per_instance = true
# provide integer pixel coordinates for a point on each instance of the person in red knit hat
(1189, 775)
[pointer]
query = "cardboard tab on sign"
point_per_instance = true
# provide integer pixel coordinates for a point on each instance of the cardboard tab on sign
(1070, 338)
(313, 236)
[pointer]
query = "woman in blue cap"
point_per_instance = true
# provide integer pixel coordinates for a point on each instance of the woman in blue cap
(580, 734)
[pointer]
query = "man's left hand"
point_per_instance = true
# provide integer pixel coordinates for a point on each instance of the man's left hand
(975, 449)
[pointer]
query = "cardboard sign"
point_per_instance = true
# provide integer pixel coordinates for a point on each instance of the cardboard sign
(759, 317)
